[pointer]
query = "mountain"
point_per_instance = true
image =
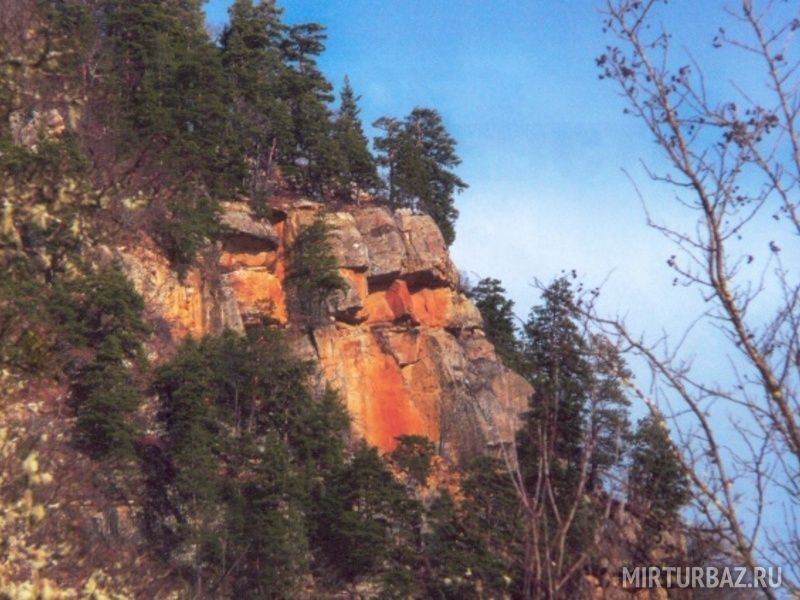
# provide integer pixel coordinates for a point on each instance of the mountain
(237, 362)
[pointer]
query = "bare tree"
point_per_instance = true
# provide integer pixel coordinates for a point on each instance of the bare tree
(733, 166)
(566, 517)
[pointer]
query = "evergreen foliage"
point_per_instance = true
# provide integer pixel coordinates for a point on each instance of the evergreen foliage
(103, 312)
(555, 358)
(190, 223)
(476, 548)
(413, 455)
(252, 452)
(358, 164)
(420, 155)
(370, 519)
(313, 270)
(317, 159)
(608, 421)
(497, 311)
(659, 486)
(169, 94)
(252, 56)
(107, 398)
(572, 437)
(27, 337)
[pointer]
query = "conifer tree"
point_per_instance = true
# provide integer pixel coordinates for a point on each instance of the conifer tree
(420, 155)
(388, 146)
(190, 420)
(497, 311)
(438, 151)
(103, 312)
(168, 93)
(317, 156)
(370, 520)
(359, 165)
(608, 422)
(313, 270)
(473, 549)
(413, 454)
(106, 398)
(167, 107)
(658, 484)
(556, 365)
(252, 54)
(269, 548)
(570, 439)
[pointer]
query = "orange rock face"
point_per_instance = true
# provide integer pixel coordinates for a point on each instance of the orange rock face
(180, 303)
(404, 348)
(259, 295)
(432, 307)
(375, 390)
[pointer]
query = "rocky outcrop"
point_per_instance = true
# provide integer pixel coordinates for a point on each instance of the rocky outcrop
(401, 343)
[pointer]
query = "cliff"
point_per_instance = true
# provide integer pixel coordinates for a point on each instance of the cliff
(403, 346)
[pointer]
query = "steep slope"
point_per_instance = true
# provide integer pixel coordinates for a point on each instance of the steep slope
(401, 343)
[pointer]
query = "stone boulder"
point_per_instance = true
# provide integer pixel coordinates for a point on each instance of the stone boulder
(238, 218)
(427, 261)
(384, 243)
(346, 242)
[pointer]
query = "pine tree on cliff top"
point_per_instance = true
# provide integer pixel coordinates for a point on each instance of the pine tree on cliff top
(168, 93)
(317, 158)
(359, 165)
(251, 52)
(420, 155)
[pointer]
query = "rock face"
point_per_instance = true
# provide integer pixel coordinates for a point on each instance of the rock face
(403, 346)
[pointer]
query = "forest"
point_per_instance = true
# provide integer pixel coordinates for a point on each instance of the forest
(129, 121)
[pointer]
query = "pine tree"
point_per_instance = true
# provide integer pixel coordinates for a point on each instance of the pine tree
(168, 93)
(556, 365)
(388, 147)
(106, 398)
(658, 482)
(103, 312)
(438, 150)
(369, 519)
(265, 522)
(497, 311)
(251, 52)
(608, 422)
(313, 270)
(420, 155)
(317, 158)
(168, 109)
(359, 165)
(413, 454)
(190, 421)
(473, 549)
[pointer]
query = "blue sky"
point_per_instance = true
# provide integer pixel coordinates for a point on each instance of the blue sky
(543, 140)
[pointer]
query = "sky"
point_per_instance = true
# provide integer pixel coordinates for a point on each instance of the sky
(543, 140)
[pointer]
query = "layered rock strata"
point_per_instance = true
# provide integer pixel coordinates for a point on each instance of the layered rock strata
(401, 343)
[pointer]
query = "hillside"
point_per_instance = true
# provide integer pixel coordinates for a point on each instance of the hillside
(237, 359)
